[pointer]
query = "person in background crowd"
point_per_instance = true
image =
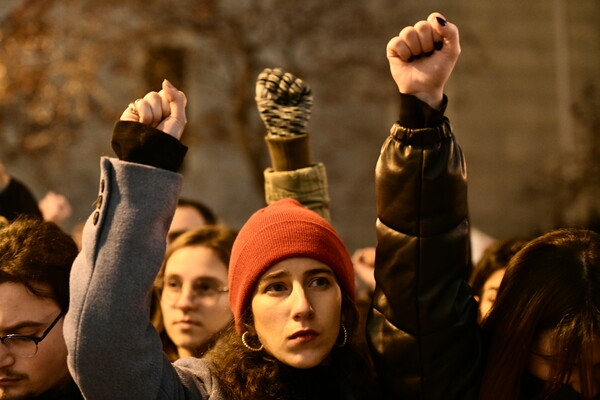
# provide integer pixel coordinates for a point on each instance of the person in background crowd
(35, 261)
(290, 278)
(543, 331)
(16, 198)
(192, 290)
(55, 207)
(189, 215)
(489, 271)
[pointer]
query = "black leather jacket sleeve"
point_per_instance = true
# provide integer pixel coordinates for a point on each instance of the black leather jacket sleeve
(422, 328)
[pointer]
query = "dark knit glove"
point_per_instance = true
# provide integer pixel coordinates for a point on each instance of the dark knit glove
(283, 101)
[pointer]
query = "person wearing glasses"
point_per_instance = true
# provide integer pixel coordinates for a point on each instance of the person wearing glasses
(291, 279)
(35, 262)
(192, 291)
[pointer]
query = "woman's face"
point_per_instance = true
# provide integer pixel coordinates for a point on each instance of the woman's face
(194, 302)
(489, 292)
(297, 308)
(543, 353)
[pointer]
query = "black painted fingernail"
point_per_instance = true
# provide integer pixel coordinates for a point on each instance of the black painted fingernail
(441, 21)
(438, 45)
(428, 53)
(410, 59)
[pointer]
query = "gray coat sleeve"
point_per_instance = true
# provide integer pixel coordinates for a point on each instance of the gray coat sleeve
(114, 351)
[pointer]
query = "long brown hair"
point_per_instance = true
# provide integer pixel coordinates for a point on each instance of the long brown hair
(246, 374)
(552, 284)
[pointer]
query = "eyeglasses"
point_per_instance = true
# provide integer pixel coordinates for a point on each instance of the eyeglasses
(26, 346)
(206, 291)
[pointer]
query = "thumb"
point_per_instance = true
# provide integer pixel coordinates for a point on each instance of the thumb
(174, 123)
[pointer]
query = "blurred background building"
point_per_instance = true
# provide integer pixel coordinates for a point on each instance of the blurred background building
(524, 98)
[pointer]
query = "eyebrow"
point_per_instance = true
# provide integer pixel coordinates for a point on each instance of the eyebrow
(24, 324)
(318, 271)
(197, 279)
(275, 275)
(285, 273)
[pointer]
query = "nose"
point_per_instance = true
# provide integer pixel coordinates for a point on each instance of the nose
(6, 358)
(185, 301)
(577, 385)
(301, 305)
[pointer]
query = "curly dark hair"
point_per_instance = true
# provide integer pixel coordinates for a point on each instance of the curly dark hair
(38, 255)
(246, 374)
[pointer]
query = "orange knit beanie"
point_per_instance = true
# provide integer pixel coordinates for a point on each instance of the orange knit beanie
(282, 230)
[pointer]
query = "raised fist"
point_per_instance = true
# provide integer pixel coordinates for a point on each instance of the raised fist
(284, 102)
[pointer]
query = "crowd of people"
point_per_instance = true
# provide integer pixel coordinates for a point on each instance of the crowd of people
(161, 300)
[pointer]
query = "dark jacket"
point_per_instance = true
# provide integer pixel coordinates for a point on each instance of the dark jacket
(70, 392)
(422, 329)
(16, 199)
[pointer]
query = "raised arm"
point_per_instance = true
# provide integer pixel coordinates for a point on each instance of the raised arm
(114, 351)
(422, 329)
(284, 103)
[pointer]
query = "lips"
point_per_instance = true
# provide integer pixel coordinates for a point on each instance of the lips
(7, 381)
(187, 322)
(304, 336)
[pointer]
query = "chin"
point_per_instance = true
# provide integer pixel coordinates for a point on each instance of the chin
(189, 344)
(305, 361)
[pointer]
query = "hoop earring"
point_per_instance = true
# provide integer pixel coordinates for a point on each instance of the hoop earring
(246, 345)
(345, 337)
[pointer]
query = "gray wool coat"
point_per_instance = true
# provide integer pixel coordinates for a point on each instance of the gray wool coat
(114, 351)
(107, 330)
(423, 330)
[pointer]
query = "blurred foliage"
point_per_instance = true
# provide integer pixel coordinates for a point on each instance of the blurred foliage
(68, 67)
(63, 62)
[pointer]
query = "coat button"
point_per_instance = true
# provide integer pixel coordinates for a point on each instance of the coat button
(96, 216)
(99, 202)
(101, 185)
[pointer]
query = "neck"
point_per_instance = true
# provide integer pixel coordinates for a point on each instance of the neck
(184, 352)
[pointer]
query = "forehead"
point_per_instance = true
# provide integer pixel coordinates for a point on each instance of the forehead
(194, 262)
(186, 218)
(494, 280)
(296, 267)
(17, 304)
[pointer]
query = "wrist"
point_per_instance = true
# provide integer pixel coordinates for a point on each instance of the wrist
(432, 99)
(289, 153)
(417, 114)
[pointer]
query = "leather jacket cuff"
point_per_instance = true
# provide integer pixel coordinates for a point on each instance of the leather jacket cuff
(424, 137)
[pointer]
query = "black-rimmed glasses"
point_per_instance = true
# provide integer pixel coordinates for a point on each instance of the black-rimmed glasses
(26, 346)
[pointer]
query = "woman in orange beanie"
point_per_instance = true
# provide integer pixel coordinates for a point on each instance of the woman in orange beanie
(291, 286)
(290, 277)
